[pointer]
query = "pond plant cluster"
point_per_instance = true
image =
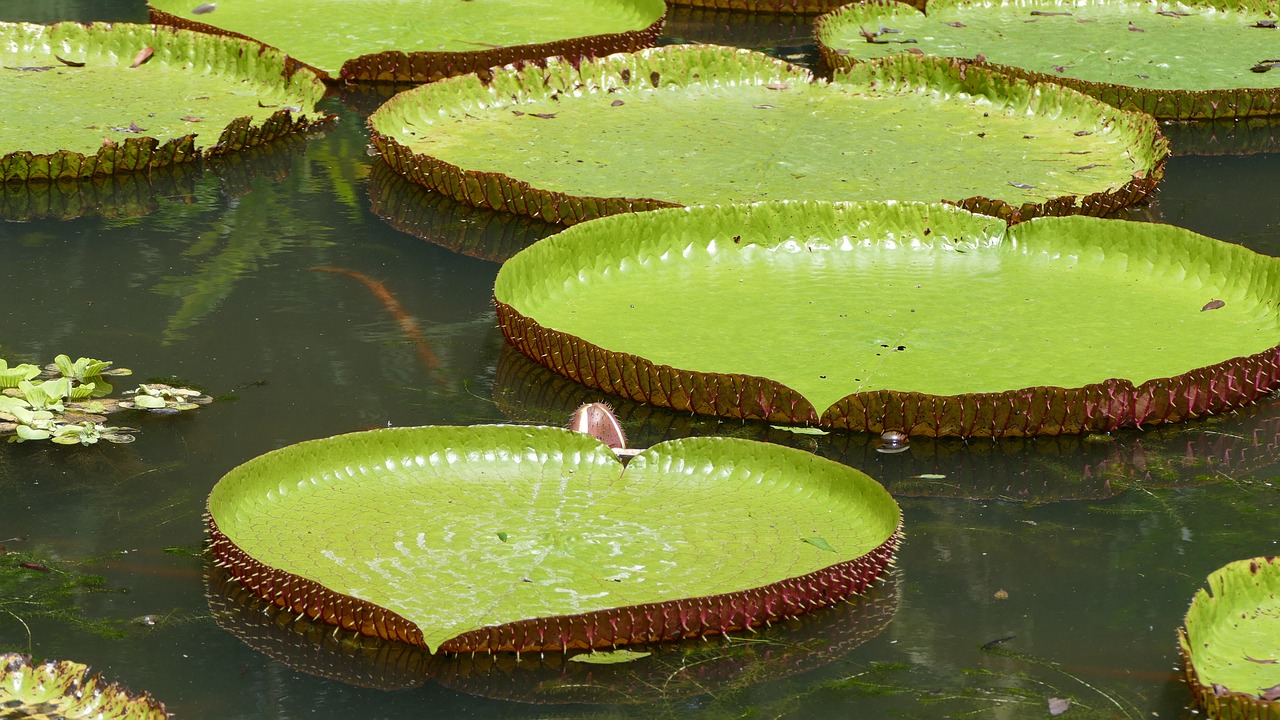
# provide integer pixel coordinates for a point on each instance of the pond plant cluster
(960, 150)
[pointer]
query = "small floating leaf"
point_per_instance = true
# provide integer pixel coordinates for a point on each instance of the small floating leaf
(502, 536)
(799, 430)
(609, 657)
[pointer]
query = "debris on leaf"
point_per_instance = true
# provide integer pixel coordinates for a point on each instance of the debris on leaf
(69, 63)
(956, 24)
(1001, 594)
(1057, 706)
(780, 86)
(544, 116)
(1270, 694)
(616, 103)
(1172, 13)
(819, 543)
(1265, 24)
(143, 55)
(191, 118)
(1135, 28)
(204, 8)
(1213, 305)
(1023, 186)
(1265, 65)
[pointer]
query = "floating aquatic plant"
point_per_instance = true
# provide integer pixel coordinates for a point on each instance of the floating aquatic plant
(507, 538)
(69, 406)
(1231, 641)
(1192, 59)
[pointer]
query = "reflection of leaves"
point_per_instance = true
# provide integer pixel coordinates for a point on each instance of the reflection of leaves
(255, 227)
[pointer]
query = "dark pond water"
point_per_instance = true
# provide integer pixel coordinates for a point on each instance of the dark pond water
(226, 278)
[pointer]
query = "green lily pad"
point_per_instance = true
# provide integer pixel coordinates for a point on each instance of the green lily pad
(1182, 60)
(393, 41)
(86, 100)
(597, 556)
(67, 690)
(845, 315)
(1231, 641)
(685, 125)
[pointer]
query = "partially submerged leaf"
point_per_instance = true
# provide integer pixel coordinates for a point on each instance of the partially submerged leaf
(63, 689)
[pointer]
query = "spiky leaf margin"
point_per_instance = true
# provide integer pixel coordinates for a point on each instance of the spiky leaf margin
(673, 671)
(144, 153)
(1023, 412)
(1162, 104)
(1258, 575)
(70, 690)
(423, 66)
(688, 65)
(607, 628)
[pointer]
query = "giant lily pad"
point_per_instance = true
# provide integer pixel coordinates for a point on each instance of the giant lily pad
(394, 41)
(923, 319)
(1180, 60)
(1231, 641)
(684, 125)
(67, 690)
(511, 538)
(85, 100)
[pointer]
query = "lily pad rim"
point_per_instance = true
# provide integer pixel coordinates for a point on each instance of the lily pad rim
(911, 410)
(521, 197)
(1163, 104)
(443, 64)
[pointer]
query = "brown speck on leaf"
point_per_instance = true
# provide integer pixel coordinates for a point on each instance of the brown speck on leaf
(517, 112)
(1270, 694)
(1059, 68)
(625, 74)
(192, 118)
(204, 8)
(1001, 594)
(915, 51)
(544, 116)
(737, 238)
(956, 24)
(1047, 13)
(1082, 133)
(1144, 77)
(777, 86)
(1172, 13)
(979, 58)
(1265, 24)
(1219, 690)
(108, 142)
(1134, 28)
(1139, 174)
(762, 107)
(1082, 168)
(69, 63)
(1023, 186)
(1267, 661)
(1213, 305)
(133, 127)
(30, 68)
(654, 77)
(616, 103)
(143, 55)
(1265, 65)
